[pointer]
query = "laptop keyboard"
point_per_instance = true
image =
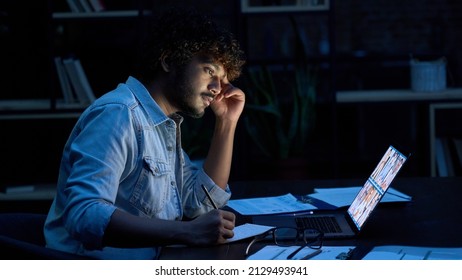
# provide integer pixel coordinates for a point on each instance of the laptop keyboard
(326, 224)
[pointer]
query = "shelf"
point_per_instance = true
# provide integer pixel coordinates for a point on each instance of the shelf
(37, 109)
(297, 6)
(396, 95)
(104, 14)
(39, 192)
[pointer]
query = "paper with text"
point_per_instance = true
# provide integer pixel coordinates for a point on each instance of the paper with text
(270, 205)
(274, 252)
(343, 196)
(414, 253)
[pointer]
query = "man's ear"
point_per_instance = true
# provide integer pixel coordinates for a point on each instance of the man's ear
(164, 63)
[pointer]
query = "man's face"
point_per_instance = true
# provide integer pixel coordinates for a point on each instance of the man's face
(192, 88)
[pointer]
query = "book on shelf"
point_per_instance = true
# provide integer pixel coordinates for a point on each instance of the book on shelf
(96, 9)
(64, 82)
(89, 95)
(440, 157)
(458, 155)
(79, 81)
(86, 6)
(448, 155)
(74, 6)
(98, 5)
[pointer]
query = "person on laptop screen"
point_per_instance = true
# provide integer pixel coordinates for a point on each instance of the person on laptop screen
(125, 185)
(376, 185)
(349, 223)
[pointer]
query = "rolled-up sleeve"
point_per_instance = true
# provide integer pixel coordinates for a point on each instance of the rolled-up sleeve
(220, 196)
(96, 168)
(195, 200)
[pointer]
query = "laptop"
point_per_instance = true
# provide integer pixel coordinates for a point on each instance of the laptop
(347, 224)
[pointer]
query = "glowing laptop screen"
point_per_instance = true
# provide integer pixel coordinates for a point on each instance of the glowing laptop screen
(376, 186)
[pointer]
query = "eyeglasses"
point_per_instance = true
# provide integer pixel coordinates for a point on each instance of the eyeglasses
(289, 236)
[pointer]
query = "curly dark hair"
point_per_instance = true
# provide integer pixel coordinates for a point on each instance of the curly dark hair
(181, 34)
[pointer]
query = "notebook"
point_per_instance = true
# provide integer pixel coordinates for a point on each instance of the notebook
(344, 224)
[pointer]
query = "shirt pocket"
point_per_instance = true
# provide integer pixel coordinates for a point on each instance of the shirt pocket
(151, 190)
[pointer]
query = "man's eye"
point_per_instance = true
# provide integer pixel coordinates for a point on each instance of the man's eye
(209, 71)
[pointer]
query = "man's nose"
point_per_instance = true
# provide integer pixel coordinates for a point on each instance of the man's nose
(215, 86)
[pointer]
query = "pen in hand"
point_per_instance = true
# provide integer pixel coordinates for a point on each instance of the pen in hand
(209, 197)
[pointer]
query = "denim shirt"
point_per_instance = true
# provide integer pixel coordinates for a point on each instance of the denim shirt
(124, 153)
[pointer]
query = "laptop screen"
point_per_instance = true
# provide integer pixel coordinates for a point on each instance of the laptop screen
(376, 186)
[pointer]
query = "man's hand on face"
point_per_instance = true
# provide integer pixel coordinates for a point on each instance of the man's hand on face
(229, 103)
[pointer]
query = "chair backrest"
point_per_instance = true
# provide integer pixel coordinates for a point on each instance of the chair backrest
(21, 237)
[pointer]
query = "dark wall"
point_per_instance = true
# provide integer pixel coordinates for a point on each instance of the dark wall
(383, 34)
(373, 41)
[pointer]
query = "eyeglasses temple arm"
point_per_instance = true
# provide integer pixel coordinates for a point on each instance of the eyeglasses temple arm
(291, 255)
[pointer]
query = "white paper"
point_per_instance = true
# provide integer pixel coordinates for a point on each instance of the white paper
(344, 196)
(248, 230)
(274, 252)
(269, 205)
(414, 253)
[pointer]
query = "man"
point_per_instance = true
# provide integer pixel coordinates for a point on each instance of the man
(125, 186)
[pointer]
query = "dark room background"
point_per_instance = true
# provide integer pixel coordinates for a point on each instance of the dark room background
(354, 45)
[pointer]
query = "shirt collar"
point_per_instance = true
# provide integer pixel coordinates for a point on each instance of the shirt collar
(146, 101)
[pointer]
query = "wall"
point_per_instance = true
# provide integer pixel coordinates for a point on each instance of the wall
(390, 31)
(373, 41)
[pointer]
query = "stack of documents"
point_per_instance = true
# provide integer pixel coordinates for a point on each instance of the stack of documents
(413, 253)
(322, 198)
(274, 252)
(340, 197)
(270, 205)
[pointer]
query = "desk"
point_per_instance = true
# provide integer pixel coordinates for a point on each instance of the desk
(432, 219)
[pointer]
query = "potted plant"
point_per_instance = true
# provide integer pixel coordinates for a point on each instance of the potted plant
(280, 113)
(279, 125)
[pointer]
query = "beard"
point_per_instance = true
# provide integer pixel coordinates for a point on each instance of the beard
(180, 92)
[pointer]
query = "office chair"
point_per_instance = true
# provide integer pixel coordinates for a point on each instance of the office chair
(21, 238)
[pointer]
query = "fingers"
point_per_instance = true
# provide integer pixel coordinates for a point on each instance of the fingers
(229, 216)
(227, 225)
(230, 90)
(214, 227)
(227, 89)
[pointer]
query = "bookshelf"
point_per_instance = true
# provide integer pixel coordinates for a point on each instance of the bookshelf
(97, 47)
(101, 43)
(35, 118)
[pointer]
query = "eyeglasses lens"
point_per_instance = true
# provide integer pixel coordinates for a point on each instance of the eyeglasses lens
(286, 236)
(313, 238)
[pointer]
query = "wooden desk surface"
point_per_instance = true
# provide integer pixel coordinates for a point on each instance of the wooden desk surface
(431, 219)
